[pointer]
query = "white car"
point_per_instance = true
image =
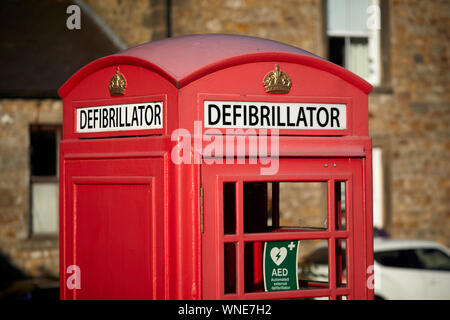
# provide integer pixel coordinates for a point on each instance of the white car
(404, 269)
(411, 269)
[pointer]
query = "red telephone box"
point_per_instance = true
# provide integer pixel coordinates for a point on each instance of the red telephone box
(215, 167)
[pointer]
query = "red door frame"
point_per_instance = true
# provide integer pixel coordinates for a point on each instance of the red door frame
(106, 163)
(350, 170)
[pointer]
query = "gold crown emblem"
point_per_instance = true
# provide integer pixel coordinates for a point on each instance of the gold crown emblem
(277, 81)
(117, 84)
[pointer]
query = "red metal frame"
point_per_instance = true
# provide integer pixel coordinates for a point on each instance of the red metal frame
(213, 239)
(89, 163)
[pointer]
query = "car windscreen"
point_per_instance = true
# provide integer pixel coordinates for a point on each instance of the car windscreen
(434, 259)
(398, 259)
(420, 258)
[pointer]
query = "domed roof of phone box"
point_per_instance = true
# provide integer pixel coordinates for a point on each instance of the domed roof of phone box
(184, 59)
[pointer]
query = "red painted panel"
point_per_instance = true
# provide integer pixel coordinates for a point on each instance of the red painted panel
(245, 83)
(113, 239)
(143, 86)
(111, 226)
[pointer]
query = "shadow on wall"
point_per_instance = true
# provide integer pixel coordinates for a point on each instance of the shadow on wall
(15, 285)
(381, 233)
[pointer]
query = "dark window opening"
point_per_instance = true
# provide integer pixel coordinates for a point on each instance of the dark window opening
(230, 268)
(336, 53)
(229, 208)
(43, 144)
(44, 184)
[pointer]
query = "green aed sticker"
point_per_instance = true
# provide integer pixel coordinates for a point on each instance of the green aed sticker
(280, 265)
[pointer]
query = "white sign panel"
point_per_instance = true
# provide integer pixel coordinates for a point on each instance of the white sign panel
(275, 115)
(121, 117)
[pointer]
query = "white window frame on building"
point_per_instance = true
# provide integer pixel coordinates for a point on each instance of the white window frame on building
(356, 24)
(379, 219)
(44, 180)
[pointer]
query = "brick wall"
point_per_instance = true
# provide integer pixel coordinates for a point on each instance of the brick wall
(413, 123)
(136, 21)
(410, 119)
(296, 22)
(37, 257)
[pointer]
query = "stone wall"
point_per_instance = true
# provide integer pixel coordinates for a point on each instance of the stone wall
(409, 119)
(296, 22)
(413, 123)
(136, 21)
(37, 257)
(303, 204)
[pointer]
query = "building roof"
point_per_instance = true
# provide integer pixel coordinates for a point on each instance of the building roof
(38, 51)
(184, 59)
